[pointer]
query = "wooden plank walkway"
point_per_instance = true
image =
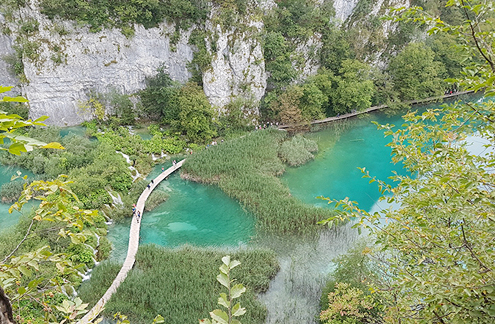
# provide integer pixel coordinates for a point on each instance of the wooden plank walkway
(132, 249)
(374, 108)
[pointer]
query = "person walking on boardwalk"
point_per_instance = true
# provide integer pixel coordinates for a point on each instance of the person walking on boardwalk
(138, 216)
(174, 163)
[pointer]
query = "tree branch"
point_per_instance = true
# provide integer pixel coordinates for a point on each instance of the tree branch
(475, 39)
(22, 241)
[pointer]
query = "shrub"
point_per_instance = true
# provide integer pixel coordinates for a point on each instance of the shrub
(297, 150)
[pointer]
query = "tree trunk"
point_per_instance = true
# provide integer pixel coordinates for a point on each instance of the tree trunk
(5, 309)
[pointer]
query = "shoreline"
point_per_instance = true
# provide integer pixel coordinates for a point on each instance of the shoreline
(374, 108)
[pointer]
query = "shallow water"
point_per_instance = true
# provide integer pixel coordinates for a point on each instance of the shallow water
(194, 214)
(334, 173)
(8, 220)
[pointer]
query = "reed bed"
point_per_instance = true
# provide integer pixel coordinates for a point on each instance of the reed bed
(246, 169)
(181, 285)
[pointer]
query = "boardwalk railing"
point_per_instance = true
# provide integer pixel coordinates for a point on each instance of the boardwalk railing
(374, 108)
(133, 246)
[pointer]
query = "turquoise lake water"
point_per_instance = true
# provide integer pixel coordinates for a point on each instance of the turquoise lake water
(203, 215)
(193, 214)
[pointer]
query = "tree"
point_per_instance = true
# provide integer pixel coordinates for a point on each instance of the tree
(416, 74)
(159, 95)
(353, 88)
(438, 242)
(195, 117)
(33, 275)
(286, 106)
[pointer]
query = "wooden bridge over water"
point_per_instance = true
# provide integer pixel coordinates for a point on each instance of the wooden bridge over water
(133, 246)
(136, 224)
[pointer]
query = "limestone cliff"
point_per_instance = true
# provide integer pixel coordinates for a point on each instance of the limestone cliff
(67, 62)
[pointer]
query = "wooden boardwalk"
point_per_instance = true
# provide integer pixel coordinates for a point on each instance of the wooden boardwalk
(374, 108)
(133, 247)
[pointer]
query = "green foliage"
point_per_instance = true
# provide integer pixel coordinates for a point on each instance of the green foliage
(416, 74)
(29, 27)
(201, 61)
(246, 169)
(348, 305)
(237, 117)
(102, 277)
(123, 14)
(447, 52)
(297, 150)
(227, 300)
(195, 117)
(31, 272)
(335, 49)
(285, 107)
(312, 102)
(278, 59)
(290, 23)
(438, 242)
(155, 199)
(11, 125)
(158, 97)
(11, 191)
(353, 88)
(184, 271)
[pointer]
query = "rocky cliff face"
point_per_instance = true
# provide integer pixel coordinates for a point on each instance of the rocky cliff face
(66, 67)
(6, 76)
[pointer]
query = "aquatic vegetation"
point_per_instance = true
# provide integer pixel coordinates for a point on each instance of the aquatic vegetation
(246, 169)
(188, 289)
(298, 150)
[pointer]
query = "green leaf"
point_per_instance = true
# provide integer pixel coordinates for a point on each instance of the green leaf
(223, 279)
(14, 99)
(5, 89)
(53, 145)
(21, 290)
(158, 319)
(237, 310)
(237, 291)
(220, 316)
(234, 263)
(226, 260)
(17, 148)
(25, 270)
(222, 300)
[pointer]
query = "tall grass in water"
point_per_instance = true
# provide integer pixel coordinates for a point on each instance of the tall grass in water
(181, 284)
(246, 169)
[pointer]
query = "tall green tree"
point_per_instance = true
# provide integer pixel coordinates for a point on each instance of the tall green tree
(416, 74)
(438, 241)
(195, 117)
(353, 88)
(159, 95)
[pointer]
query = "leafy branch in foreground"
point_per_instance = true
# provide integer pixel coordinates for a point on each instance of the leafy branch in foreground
(437, 235)
(226, 300)
(37, 280)
(10, 123)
